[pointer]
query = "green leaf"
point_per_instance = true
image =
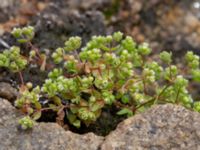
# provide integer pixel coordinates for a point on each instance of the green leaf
(77, 123)
(57, 100)
(30, 110)
(125, 111)
(37, 115)
(117, 36)
(53, 107)
(74, 110)
(142, 109)
(37, 105)
(73, 120)
(95, 107)
(16, 32)
(166, 57)
(125, 99)
(71, 117)
(196, 75)
(22, 40)
(97, 113)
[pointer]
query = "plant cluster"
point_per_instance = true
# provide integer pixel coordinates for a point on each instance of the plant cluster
(109, 70)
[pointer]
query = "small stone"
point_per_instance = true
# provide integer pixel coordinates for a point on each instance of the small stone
(88, 4)
(6, 3)
(192, 21)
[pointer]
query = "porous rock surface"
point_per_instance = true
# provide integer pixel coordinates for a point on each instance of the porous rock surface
(163, 127)
(7, 91)
(55, 25)
(165, 24)
(88, 4)
(44, 136)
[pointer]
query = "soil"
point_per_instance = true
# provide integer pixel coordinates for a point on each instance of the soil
(165, 24)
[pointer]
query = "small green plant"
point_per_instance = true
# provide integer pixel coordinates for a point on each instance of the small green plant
(109, 70)
(23, 35)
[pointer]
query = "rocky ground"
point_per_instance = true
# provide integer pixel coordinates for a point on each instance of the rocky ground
(166, 24)
(162, 127)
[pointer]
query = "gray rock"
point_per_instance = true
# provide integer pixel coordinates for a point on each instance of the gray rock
(7, 91)
(44, 136)
(56, 25)
(162, 127)
(6, 3)
(7, 11)
(88, 4)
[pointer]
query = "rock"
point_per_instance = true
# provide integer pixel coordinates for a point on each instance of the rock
(44, 136)
(7, 91)
(7, 9)
(7, 3)
(55, 25)
(162, 127)
(166, 25)
(88, 4)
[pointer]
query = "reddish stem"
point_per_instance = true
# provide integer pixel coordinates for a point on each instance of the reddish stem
(21, 78)
(35, 49)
